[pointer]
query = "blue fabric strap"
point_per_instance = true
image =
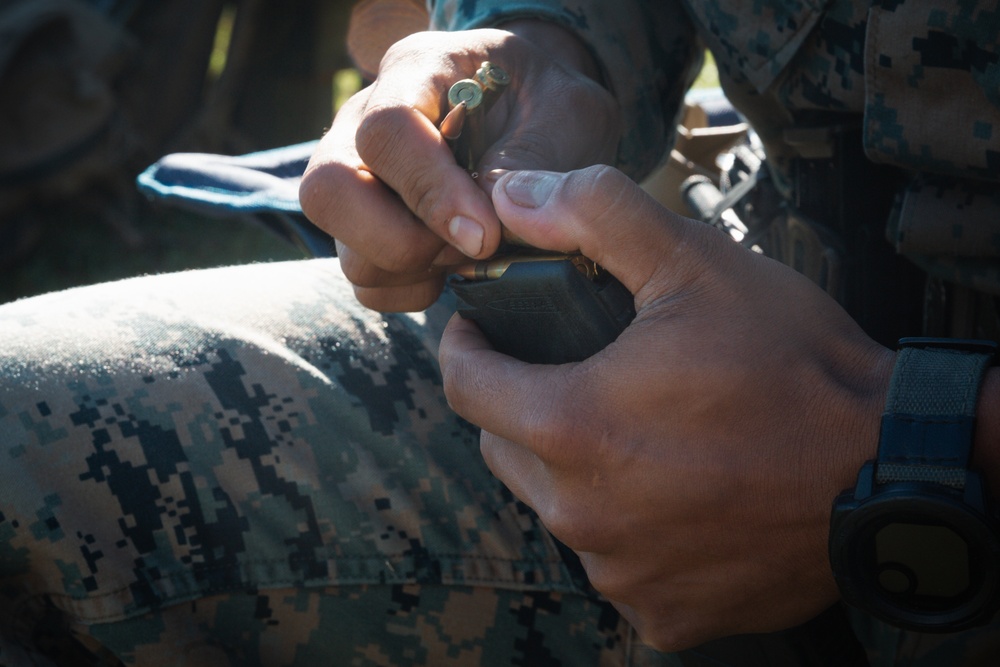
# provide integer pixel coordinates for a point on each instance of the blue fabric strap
(929, 420)
(266, 181)
(262, 186)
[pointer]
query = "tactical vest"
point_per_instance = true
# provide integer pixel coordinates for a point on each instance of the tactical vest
(880, 123)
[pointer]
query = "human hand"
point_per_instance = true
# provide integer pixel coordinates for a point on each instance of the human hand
(386, 186)
(693, 463)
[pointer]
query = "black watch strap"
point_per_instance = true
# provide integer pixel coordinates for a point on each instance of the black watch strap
(929, 419)
(916, 542)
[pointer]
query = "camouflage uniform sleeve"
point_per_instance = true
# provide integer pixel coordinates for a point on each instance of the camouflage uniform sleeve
(647, 52)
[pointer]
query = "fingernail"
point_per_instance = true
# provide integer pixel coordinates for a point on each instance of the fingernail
(466, 234)
(530, 189)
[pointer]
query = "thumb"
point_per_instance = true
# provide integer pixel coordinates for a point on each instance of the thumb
(603, 214)
(533, 151)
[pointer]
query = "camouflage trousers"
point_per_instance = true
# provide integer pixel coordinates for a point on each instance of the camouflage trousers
(243, 466)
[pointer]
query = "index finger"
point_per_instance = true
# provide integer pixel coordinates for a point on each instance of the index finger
(399, 142)
(341, 195)
(517, 401)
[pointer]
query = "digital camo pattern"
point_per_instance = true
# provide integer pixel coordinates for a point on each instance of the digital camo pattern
(964, 252)
(753, 42)
(244, 466)
(933, 100)
(917, 78)
(827, 73)
(791, 63)
(924, 74)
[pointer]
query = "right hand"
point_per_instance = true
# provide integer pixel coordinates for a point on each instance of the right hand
(386, 186)
(692, 463)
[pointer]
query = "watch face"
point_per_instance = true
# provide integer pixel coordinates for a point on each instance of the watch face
(920, 565)
(917, 559)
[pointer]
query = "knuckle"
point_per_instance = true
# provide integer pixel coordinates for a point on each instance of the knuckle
(408, 253)
(430, 201)
(672, 636)
(599, 572)
(607, 182)
(316, 188)
(379, 131)
(566, 418)
(405, 298)
(458, 375)
(407, 49)
(611, 196)
(381, 141)
(568, 521)
(367, 297)
(553, 433)
(350, 264)
(358, 270)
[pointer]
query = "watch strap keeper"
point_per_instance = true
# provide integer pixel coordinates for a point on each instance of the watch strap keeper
(930, 415)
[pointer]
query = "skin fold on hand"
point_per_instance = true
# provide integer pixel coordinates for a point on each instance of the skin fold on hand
(691, 464)
(386, 185)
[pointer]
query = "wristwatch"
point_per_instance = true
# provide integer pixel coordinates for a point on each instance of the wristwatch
(916, 543)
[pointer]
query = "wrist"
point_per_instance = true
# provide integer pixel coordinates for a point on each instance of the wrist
(857, 426)
(915, 542)
(986, 447)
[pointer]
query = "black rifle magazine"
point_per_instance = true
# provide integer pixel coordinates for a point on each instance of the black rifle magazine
(546, 311)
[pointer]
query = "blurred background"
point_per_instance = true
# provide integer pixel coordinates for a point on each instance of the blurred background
(92, 92)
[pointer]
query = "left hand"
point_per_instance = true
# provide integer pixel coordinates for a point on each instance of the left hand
(693, 463)
(385, 185)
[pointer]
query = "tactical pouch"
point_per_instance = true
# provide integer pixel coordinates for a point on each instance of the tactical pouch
(832, 228)
(932, 103)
